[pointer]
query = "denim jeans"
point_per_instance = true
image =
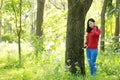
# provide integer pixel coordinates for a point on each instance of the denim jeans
(91, 56)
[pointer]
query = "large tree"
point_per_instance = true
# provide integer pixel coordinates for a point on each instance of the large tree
(40, 12)
(77, 10)
(102, 44)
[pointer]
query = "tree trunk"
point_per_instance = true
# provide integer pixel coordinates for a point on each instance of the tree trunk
(119, 24)
(1, 3)
(40, 12)
(77, 10)
(119, 19)
(117, 27)
(0, 24)
(102, 44)
(19, 35)
(32, 31)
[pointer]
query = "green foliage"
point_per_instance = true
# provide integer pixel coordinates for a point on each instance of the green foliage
(37, 43)
(52, 67)
(110, 26)
(50, 49)
(10, 4)
(113, 47)
(11, 9)
(109, 64)
(9, 37)
(11, 64)
(111, 9)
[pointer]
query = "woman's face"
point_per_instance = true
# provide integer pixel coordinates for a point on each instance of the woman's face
(91, 24)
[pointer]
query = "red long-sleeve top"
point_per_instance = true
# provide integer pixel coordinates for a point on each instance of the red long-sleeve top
(93, 38)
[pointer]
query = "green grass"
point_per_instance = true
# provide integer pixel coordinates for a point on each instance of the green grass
(51, 66)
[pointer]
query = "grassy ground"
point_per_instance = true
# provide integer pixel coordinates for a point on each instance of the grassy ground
(50, 65)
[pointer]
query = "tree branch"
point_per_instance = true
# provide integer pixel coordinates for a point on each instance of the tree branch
(86, 4)
(1, 4)
(54, 5)
(15, 15)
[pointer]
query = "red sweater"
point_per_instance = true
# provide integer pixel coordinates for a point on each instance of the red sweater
(93, 38)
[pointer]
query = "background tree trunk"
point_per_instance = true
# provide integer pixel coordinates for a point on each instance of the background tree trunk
(119, 22)
(19, 34)
(77, 10)
(1, 3)
(117, 27)
(40, 12)
(119, 18)
(33, 26)
(102, 44)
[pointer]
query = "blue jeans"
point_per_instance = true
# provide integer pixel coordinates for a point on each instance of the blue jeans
(91, 56)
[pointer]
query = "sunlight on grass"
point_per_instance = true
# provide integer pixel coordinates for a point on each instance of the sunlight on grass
(51, 66)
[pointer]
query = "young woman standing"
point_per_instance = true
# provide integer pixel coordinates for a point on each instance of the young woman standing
(91, 44)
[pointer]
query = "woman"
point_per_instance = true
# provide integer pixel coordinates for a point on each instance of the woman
(91, 44)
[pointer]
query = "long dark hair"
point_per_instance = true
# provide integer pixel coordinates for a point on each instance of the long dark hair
(88, 27)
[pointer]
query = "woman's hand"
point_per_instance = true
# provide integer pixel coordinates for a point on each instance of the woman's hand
(85, 45)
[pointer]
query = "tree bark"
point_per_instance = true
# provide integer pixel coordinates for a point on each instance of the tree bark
(1, 18)
(33, 27)
(117, 27)
(19, 35)
(77, 10)
(102, 44)
(119, 19)
(40, 12)
(0, 24)
(119, 24)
